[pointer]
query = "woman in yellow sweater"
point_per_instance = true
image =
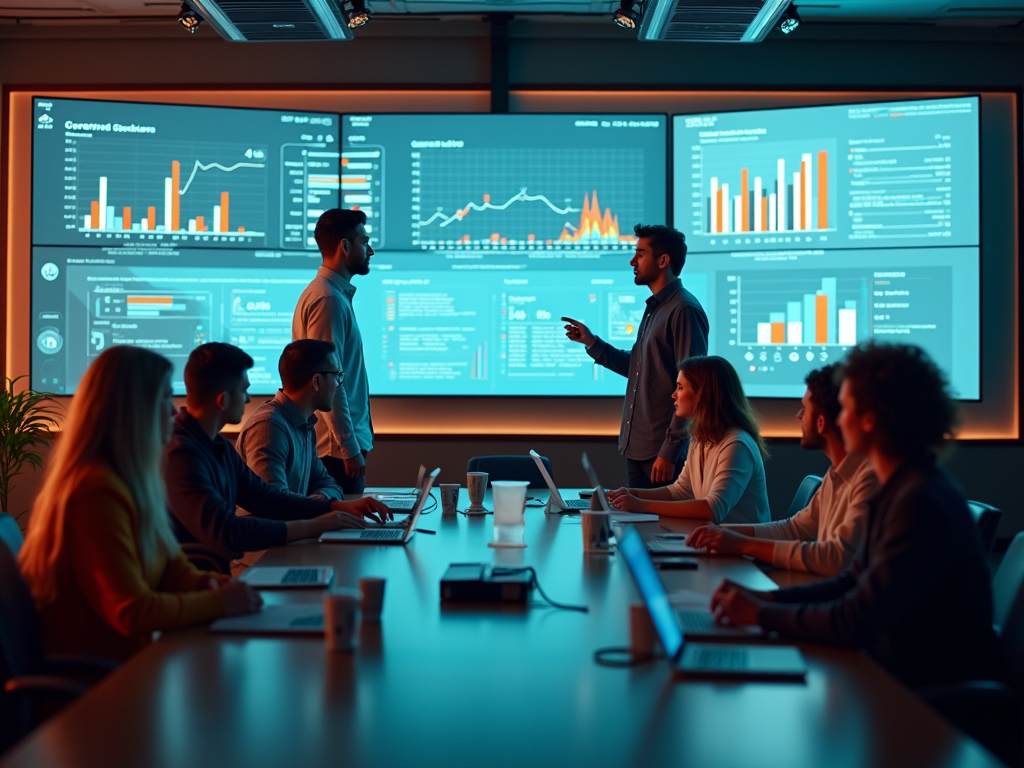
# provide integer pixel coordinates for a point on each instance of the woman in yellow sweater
(100, 556)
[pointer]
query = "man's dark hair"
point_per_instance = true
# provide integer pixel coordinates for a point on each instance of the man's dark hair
(823, 388)
(335, 225)
(665, 240)
(908, 394)
(301, 360)
(214, 368)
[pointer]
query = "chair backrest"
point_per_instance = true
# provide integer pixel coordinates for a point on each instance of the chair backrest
(20, 639)
(11, 533)
(987, 518)
(511, 468)
(1011, 639)
(1008, 581)
(804, 493)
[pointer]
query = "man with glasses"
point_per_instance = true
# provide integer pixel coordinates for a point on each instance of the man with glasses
(278, 442)
(324, 311)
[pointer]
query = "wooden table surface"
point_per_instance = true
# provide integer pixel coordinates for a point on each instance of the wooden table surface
(471, 687)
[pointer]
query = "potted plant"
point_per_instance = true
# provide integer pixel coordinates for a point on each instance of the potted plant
(26, 420)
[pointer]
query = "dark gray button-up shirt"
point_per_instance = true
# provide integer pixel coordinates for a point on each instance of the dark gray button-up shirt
(673, 328)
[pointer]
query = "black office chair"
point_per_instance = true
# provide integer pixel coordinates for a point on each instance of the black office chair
(11, 533)
(34, 686)
(511, 468)
(804, 493)
(992, 712)
(987, 517)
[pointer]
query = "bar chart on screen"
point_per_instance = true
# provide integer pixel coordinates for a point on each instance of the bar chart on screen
(362, 171)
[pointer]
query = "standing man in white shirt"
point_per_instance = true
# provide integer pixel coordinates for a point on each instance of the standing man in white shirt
(823, 537)
(324, 312)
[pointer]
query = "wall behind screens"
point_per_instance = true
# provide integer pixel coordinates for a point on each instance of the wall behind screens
(170, 226)
(820, 227)
(486, 230)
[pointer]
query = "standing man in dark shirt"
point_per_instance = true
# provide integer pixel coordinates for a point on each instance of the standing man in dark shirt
(917, 595)
(206, 478)
(674, 327)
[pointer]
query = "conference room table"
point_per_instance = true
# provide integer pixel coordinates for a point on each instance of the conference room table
(484, 686)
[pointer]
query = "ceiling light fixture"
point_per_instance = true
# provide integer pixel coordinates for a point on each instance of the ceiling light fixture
(628, 14)
(189, 19)
(790, 21)
(359, 15)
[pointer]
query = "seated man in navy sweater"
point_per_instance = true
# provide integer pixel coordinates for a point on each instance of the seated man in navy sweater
(206, 478)
(917, 596)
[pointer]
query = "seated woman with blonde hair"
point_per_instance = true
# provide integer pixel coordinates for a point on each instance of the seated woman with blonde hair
(723, 477)
(100, 557)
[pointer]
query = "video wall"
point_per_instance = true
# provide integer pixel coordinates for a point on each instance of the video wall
(809, 230)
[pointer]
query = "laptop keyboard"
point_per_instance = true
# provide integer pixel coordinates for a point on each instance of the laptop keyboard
(577, 503)
(714, 657)
(301, 576)
(382, 534)
(313, 621)
(696, 620)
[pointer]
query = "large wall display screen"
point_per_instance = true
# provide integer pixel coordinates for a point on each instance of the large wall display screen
(816, 228)
(486, 230)
(168, 226)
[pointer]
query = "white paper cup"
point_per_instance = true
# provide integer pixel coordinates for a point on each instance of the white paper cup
(597, 531)
(372, 589)
(450, 498)
(509, 498)
(341, 617)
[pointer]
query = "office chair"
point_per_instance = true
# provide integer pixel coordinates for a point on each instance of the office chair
(511, 468)
(11, 533)
(33, 685)
(987, 518)
(991, 712)
(804, 493)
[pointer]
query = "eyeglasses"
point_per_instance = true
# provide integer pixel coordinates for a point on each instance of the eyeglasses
(339, 376)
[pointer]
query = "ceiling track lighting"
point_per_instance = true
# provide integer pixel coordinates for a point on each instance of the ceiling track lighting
(189, 19)
(790, 21)
(357, 14)
(627, 15)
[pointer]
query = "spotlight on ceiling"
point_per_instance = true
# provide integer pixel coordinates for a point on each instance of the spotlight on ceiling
(790, 21)
(359, 15)
(628, 15)
(189, 19)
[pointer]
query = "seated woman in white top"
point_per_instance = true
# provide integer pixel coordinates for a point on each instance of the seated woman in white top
(723, 477)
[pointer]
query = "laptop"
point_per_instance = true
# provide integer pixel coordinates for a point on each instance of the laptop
(672, 544)
(271, 577)
(287, 619)
(718, 660)
(617, 517)
(382, 534)
(403, 502)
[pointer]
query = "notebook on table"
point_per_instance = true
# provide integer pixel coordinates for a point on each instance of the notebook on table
(383, 534)
(305, 619)
(718, 660)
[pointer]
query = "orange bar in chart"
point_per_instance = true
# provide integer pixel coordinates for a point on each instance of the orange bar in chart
(164, 300)
(126, 218)
(719, 203)
(175, 197)
(94, 211)
(151, 218)
(764, 214)
(200, 224)
(821, 319)
(803, 183)
(241, 229)
(778, 333)
(823, 190)
(223, 211)
(743, 225)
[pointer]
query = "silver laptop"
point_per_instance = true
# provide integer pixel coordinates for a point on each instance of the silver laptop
(672, 544)
(405, 501)
(383, 534)
(720, 660)
(617, 517)
(288, 619)
(557, 503)
(271, 577)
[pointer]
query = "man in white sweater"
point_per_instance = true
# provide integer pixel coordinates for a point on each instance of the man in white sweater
(823, 537)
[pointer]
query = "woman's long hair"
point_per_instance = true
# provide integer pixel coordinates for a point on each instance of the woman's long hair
(719, 401)
(115, 421)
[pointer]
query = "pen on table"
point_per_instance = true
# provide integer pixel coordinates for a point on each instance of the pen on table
(424, 530)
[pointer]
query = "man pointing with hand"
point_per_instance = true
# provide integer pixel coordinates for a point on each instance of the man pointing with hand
(674, 327)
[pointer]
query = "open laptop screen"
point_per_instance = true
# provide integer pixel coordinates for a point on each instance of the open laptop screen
(633, 549)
